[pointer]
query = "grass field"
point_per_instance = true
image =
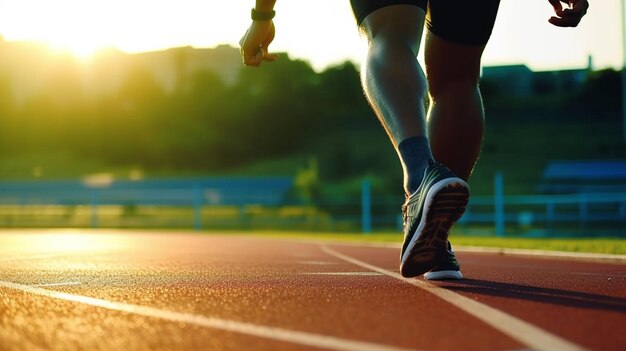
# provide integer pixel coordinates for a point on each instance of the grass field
(615, 246)
(296, 222)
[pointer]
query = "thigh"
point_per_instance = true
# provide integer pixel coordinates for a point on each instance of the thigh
(448, 62)
(468, 22)
(362, 8)
(458, 33)
(395, 26)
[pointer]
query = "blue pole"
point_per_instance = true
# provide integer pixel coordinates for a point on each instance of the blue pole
(550, 214)
(197, 206)
(499, 204)
(366, 206)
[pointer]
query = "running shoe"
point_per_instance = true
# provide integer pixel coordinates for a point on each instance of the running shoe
(448, 267)
(428, 214)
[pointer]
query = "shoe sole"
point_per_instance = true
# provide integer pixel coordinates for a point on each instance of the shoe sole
(442, 275)
(445, 203)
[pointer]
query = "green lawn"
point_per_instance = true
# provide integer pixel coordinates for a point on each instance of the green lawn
(589, 245)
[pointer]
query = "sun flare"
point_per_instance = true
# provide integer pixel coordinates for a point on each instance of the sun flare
(65, 26)
(81, 48)
(82, 27)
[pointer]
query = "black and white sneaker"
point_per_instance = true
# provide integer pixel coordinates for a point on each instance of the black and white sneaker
(447, 268)
(428, 214)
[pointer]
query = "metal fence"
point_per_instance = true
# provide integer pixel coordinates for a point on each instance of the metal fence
(269, 203)
(154, 203)
(543, 215)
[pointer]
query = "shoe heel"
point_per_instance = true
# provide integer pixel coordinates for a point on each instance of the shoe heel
(449, 203)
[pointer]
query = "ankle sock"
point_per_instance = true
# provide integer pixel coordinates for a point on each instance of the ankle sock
(415, 155)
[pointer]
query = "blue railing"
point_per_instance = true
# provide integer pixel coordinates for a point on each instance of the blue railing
(193, 193)
(251, 202)
(549, 212)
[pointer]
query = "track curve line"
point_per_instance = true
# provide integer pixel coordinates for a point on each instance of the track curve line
(266, 332)
(524, 332)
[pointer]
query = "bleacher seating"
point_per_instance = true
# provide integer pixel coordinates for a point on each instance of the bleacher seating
(269, 191)
(584, 177)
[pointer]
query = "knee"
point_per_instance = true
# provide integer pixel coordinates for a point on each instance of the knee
(390, 43)
(452, 86)
(445, 79)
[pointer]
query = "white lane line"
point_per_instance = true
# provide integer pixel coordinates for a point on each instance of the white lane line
(343, 273)
(273, 333)
(543, 253)
(581, 256)
(54, 284)
(524, 332)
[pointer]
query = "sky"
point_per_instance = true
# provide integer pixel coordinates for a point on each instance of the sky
(322, 31)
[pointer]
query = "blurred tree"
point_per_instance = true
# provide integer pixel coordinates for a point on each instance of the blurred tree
(51, 118)
(341, 94)
(271, 111)
(211, 122)
(7, 119)
(307, 183)
(125, 128)
(191, 128)
(601, 96)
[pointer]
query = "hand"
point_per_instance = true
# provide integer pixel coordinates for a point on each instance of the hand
(571, 15)
(255, 43)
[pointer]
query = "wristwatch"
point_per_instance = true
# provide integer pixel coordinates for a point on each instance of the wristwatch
(262, 16)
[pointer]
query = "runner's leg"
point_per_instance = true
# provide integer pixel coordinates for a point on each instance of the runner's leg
(455, 117)
(395, 83)
(458, 33)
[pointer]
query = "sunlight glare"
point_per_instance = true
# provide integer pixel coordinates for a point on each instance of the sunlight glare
(81, 27)
(62, 242)
(70, 26)
(80, 46)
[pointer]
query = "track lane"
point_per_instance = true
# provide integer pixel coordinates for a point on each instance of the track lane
(522, 331)
(265, 282)
(583, 302)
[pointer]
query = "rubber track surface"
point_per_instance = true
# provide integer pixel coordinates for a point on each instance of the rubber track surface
(279, 286)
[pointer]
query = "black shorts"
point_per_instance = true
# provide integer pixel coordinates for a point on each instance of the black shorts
(459, 21)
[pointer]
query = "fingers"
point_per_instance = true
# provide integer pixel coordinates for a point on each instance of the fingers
(556, 4)
(571, 16)
(564, 22)
(266, 43)
(254, 58)
(254, 45)
(249, 53)
(580, 7)
(270, 57)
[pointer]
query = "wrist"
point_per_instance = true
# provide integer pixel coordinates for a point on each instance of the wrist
(257, 15)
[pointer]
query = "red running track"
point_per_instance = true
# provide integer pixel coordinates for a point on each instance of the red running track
(129, 290)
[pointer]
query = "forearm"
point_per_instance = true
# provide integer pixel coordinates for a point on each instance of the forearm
(265, 5)
(255, 43)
